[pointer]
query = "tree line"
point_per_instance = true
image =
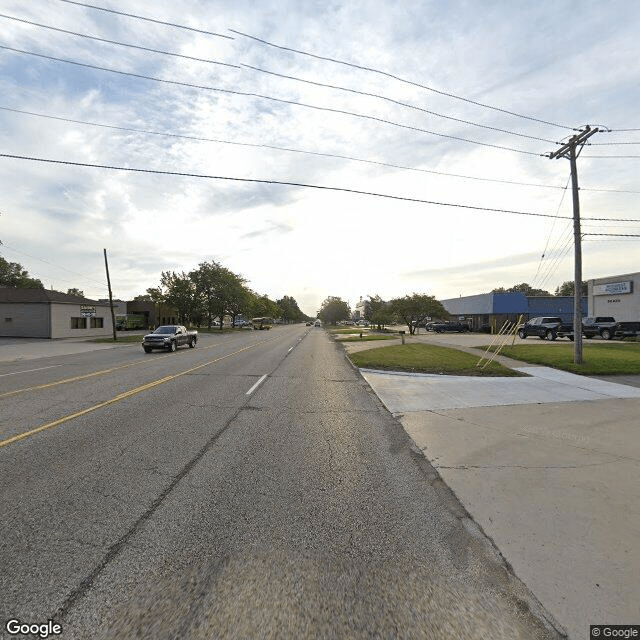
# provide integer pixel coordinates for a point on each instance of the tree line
(410, 310)
(204, 296)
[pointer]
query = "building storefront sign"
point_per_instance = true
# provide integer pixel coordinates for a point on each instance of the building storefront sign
(613, 288)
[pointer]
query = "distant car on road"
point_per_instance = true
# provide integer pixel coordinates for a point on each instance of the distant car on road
(169, 337)
(317, 323)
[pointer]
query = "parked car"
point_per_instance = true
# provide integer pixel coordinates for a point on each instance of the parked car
(169, 337)
(440, 327)
(546, 328)
(607, 328)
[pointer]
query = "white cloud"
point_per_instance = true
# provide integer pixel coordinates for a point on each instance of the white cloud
(307, 243)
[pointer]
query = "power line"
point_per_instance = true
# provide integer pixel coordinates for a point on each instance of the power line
(403, 80)
(83, 276)
(120, 44)
(560, 256)
(609, 190)
(617, 235)
(304, 185)
(312, 153)
(544, 251)
(264, 97)
(285, 183)
(397, 102)
(554, 257)
(131, 15)
(631, 156)
(292, 150)
(281, 75)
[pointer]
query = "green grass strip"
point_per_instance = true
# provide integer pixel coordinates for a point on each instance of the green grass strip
(367, 338)
(621, 358)
(423, 358)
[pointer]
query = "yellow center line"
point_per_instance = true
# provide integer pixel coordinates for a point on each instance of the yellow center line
(90, 375)
(122, 396)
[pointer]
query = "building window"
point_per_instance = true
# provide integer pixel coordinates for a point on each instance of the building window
(97, 323)
(78, 323)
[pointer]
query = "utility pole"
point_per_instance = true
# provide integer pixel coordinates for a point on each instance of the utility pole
(113, 315)
(568, 150)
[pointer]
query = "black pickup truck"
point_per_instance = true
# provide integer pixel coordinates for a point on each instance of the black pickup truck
(546, 328)
(441, 327)
(607, 328)
(169, 337)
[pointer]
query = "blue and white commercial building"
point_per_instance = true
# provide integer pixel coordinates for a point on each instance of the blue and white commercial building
(492, 310)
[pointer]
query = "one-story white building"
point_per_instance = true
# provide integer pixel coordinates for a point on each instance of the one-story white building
(40, 313)
(616, 296)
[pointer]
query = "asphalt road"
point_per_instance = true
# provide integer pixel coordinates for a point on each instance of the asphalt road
(187, 495)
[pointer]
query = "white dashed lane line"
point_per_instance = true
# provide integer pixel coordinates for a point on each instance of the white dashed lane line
(15, 373)
(256, 385)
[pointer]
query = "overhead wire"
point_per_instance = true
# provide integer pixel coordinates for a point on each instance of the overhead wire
(290, 150)
(120, 44)
(564, 238)
(53, 264)
(285, 76)
(162, 22)
(618, 235)
(271, 98)
(610, 157)
(552, 228)
(561, 254)
(399, 79)
(301, 184)
(282, 182)
(326, 58)
(396, 102)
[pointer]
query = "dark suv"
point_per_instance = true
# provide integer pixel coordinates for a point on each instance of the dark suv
(545, 327)
(603, 326)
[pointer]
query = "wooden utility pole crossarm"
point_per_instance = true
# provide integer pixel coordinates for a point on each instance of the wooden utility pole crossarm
(568, 150)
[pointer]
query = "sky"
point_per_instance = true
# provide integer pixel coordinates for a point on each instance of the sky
(446, 111)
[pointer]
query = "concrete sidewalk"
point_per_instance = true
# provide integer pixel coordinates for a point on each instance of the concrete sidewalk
(549, 467)
(19, 349)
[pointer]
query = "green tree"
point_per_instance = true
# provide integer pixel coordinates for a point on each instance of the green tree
(218, 290)
(179, 293)
(525, 288)
(567, 288)
(144, 297)
(333, 310)
(263, 307)
(238, 298)
(289, 310)
(75, 292)
(14, 276)
(415, 309)
(378, 312)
